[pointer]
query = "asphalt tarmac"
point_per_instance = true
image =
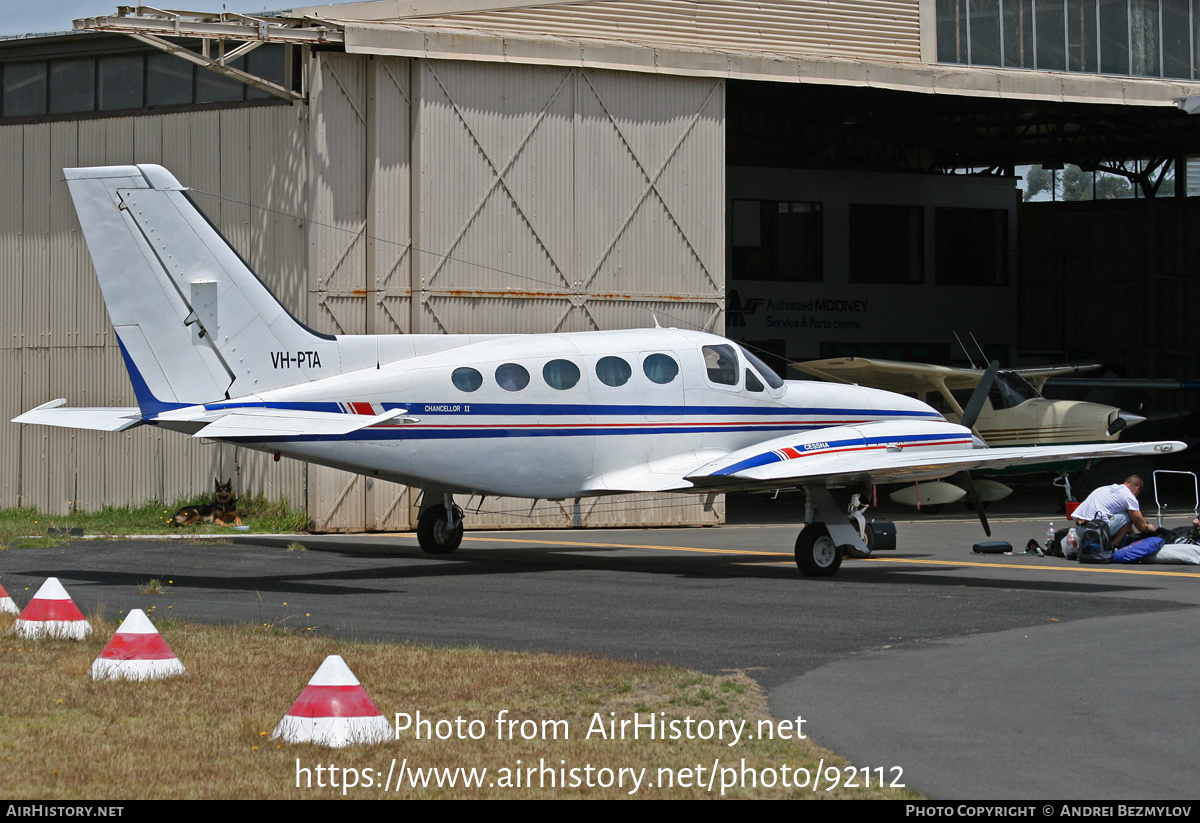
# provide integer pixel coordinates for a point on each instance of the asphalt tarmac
(983, 677)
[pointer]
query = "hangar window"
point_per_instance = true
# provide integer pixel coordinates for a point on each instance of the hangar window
(887, 243)
(613, 371)
(512, 377)
(660, 368)
(50, 78)
(777, 240)
(1141, 38)
(560, 374)
(466, 379)
(972, 247)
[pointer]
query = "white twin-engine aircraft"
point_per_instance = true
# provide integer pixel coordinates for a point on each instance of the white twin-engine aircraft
(211, 353)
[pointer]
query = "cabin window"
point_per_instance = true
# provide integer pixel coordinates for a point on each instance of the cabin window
(560, 374)
(466, 379)
(613, 371)
(768, 373)
(752, 382)
(660, 368)
(721, 364)
(512, 377)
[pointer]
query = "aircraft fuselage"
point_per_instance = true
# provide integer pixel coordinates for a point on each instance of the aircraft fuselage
(579, 404)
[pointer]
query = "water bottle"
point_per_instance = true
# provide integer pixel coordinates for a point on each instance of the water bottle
(1050, 535)
(1071, 545)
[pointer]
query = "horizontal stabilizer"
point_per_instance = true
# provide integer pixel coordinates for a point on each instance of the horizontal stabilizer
(259, 423)
(105, 419)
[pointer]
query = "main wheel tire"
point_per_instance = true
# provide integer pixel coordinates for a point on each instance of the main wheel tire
(816, 553)
(433, 534)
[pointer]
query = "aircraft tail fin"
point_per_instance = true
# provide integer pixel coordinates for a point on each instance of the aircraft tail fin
(195, 324)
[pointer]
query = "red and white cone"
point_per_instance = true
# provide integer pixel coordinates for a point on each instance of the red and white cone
(7, 606)
(52, 613)
(334, 710)
(136, 652)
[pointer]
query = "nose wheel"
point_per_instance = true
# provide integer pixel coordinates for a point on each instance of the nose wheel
(816, 553)
(440, 531)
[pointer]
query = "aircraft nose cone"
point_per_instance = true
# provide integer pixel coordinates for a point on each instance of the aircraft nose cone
(1123, 420)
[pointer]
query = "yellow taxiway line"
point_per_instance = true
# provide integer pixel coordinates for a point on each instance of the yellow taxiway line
(1105, 569)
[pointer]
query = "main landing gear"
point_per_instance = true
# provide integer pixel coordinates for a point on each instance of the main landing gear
(831, 535)
(440, 527)
(816, 553)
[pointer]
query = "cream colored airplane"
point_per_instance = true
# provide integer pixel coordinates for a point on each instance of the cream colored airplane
(1015, 413)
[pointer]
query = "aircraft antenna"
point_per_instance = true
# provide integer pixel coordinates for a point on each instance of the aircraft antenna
(982, 355)
(964, 348)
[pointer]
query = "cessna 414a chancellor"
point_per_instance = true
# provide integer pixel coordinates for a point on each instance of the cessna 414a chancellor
(212, 354)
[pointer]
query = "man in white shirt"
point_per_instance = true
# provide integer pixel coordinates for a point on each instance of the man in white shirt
(1118, 504)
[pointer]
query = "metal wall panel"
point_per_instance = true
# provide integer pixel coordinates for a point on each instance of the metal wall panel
(337, 203)
(839, 28)
(58, 340)
(10, 435)
(95, 138)
(547, 191)
(656, 228)
(34, 320)
(389, 242)
(12, 240)
(62, 240)
(562, 199)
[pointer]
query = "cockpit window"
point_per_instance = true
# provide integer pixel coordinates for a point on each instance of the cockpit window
(512, 377)
(466, 379)
(660, 368)
(721, 364)
(613, 371)
(560, 374)
(767, 373)
(752, 382)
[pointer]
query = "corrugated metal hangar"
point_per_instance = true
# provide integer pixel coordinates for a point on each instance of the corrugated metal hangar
(818, 178)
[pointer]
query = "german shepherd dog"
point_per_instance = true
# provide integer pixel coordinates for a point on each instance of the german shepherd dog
(223, 511)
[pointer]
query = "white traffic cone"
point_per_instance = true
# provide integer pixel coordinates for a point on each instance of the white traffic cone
(334, 710)
(136, 652)
(7, 606)
(52, 613)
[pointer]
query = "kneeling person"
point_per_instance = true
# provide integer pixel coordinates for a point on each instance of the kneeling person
(1118, 505)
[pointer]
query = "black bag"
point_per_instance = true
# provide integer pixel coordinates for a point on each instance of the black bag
(1183, 534)
(1095, 542)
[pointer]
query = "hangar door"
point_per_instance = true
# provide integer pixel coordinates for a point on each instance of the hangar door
(455, 197)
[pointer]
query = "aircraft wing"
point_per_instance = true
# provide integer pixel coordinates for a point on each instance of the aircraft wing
(1038, 376)
(271, 422)
(105, 419)
(891, 375)
(878, 453)
(663, 474)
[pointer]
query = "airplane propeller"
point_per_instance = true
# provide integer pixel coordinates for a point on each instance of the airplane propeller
(970, 415)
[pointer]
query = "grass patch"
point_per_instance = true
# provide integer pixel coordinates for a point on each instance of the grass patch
(153, 586)
(207, 735)
(20, 528)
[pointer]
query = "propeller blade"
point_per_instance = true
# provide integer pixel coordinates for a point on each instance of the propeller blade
(973, 493)
(979, 397)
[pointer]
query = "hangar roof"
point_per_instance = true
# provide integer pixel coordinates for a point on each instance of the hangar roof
(863, 43)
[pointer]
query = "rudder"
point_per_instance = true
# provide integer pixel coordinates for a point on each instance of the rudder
(195, 323)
